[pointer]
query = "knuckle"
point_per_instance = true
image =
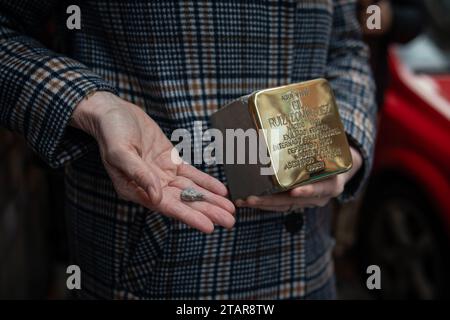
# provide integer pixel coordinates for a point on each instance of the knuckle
(253, 201)
(310, 191)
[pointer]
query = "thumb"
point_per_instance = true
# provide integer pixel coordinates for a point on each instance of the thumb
(134, 168)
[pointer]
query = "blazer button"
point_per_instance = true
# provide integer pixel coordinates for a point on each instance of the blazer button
(293, 222)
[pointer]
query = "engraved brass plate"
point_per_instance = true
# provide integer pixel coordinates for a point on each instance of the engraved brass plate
(303, 131)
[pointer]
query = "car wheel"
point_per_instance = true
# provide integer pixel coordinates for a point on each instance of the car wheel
(400, 233)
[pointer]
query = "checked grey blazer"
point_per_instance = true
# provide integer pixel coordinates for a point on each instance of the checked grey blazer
(180, 61)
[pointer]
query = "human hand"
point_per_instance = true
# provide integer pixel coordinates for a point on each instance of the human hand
(317, 194)
(138, 158)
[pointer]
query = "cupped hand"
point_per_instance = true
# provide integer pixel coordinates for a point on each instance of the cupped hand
(317, 194)
(139, 160)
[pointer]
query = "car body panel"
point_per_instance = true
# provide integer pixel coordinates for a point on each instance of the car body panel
(414, 133)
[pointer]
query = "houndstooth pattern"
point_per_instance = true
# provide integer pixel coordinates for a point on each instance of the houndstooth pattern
(180, 61)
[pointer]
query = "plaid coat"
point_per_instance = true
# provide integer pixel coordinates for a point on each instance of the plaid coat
(180, 61)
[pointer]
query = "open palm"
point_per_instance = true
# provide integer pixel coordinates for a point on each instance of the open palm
(138, 158)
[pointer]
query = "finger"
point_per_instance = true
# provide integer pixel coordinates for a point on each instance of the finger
(183, 213)
(300, 204)
(268, 208)
(340, 185)
(224, 203)
(306, 191)
(172, 207)
(331, 187)
(318, 189)
(320, 202)
(218, 208)
(277, 209)
(137, 170)
(216, 214)
(202, 179)
(276, 200)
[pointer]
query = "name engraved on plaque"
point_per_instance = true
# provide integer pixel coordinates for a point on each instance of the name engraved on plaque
(308, 140)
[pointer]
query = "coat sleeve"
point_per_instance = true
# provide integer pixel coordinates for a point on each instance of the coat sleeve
(39, 88)
(349, 74)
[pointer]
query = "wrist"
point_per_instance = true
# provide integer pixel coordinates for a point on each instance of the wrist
(89, 110)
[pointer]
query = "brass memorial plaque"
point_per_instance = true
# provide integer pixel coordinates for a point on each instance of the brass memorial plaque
(303, 135)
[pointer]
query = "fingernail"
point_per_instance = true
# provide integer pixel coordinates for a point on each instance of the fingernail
(225, 193)
(231, 224)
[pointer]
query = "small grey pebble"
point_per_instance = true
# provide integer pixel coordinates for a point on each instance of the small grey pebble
(190, 194)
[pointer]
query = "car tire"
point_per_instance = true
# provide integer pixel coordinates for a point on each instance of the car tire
(401, 233)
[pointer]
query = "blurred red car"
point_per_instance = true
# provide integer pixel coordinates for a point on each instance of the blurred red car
(405, 219)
